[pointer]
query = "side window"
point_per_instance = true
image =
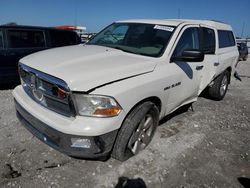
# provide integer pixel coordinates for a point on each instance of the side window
(188, 41)
(62, 38)
(226, 39)
(208, 41)
(25, 39)
(1, 39)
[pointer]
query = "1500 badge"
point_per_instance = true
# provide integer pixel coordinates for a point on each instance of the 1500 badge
(172, 86)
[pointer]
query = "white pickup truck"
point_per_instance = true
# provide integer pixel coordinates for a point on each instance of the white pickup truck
(106, 97)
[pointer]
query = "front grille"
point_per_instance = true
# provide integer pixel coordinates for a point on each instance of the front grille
(50, 92)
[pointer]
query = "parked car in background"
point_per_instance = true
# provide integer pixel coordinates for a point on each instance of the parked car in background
(243, 51)
(19, 41)
(87, 36)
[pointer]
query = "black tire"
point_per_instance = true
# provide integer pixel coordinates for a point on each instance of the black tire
(218, 90)
(133, 129)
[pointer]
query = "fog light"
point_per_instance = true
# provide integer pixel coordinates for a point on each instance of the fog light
(80, 143)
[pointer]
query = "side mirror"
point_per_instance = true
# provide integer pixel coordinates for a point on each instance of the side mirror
(190, 56)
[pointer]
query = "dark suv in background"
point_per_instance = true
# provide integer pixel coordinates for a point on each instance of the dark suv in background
(243, 50)
(19, 41)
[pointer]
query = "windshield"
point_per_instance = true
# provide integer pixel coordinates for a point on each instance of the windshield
(143, 39)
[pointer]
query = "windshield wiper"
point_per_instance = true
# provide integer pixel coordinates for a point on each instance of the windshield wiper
(119, 48)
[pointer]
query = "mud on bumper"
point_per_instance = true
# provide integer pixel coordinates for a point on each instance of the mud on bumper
(99, 147)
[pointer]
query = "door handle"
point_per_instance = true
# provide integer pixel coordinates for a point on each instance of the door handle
(216, 64)
(199, 67)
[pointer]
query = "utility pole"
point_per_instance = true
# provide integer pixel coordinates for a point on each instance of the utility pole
(243, 28)
(75, 14)
(179, 13)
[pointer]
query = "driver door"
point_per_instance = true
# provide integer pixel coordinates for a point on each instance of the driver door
(187, 74)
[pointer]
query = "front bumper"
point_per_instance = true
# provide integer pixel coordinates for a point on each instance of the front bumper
(100, 146)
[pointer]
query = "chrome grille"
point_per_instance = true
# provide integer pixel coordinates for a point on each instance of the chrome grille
(47, 90)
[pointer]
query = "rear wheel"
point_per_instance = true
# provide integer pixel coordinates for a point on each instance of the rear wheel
(218, 90)
(137, 131)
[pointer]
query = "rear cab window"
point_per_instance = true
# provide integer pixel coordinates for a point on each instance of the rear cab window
(25, 38)
(63, 38)
(226, 39)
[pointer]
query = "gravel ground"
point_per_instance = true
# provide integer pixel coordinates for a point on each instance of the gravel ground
(207, 147)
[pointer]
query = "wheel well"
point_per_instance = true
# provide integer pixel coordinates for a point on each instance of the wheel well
(154, 100)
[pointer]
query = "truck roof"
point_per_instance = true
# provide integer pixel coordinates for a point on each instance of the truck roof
(176, 22)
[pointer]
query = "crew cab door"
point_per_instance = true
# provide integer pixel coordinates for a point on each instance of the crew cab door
(187, 75)
(211, 61)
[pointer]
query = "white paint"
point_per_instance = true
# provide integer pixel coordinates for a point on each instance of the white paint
(84, 67)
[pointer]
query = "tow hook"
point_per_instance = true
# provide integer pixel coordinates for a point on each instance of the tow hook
(237, 76)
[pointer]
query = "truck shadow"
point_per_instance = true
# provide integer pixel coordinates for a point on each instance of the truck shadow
(186, 68)
(177, 112)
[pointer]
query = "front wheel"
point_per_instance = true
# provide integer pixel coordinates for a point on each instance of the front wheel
(218, 90)
(137, 131)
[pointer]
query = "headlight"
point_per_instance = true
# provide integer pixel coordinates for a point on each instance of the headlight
(95, 105)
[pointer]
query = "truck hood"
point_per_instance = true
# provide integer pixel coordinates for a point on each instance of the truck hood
(84, 67)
